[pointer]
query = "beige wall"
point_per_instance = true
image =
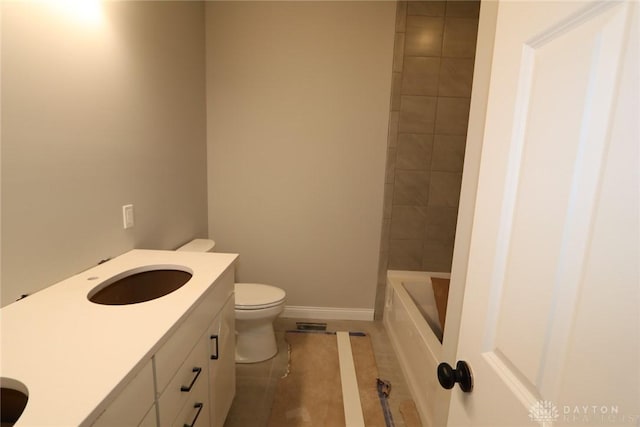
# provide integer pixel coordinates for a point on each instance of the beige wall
(97, 114)
(297, 102)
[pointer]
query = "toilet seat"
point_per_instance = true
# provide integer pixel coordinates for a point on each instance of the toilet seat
(256, 296)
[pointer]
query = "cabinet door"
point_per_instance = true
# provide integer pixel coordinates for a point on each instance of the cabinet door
(222, 366)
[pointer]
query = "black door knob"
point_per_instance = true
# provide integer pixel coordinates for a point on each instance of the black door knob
(448, 377)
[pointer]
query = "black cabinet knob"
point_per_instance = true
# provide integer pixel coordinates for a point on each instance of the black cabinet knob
(448, 377)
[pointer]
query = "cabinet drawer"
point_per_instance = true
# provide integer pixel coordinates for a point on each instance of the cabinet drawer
(173, 398)
(132, 403)
(171, 355)
(195, 411)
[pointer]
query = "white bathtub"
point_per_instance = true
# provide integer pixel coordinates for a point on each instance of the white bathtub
(408, 320)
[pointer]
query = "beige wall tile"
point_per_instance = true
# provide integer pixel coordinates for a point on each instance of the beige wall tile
(420, 76)
(436, 256)
(396, 85)
(391, 164)
(408, 222)
(426, 8)
(394, 120)
(411, 188)
(433, 73)
(388, 201)
(444, 189)
(405, 254)
(456, 76)
(401, 16)
(452, 117)
(417, 114)
(414, 151)
(463, 8)
(448, 153)
(386, 228)
(383, 259)
(460, 37)
(382, 271)
(423, 36)
(380, 295)
(398, 52)
(441, 224)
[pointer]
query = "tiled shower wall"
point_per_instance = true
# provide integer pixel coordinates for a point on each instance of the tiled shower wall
(432, 74)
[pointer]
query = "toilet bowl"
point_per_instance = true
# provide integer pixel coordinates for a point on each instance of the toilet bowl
(256, 307)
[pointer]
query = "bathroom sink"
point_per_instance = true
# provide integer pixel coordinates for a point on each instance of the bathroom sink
(12, 401)
(139, 287)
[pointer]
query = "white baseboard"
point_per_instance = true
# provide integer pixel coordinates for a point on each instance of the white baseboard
(327, 313)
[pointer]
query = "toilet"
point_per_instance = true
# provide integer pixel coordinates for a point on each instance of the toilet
(256, 307)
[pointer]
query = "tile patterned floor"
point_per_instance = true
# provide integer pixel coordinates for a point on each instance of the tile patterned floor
(256, 382)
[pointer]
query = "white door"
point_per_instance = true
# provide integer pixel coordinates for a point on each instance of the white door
(550, 322)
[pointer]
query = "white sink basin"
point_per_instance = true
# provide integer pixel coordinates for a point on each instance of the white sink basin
(137, 287)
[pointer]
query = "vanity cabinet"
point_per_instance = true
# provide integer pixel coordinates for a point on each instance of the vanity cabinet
(204, 385)
(134, 405)
(150, 420)
(126, 364)
(185, 387)
(222, 363)
(214, 388)
(194, 371)
(195, 411)
(188, 332)
(195, 368)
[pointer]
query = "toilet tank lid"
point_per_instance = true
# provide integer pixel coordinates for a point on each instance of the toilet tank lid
(198, 245)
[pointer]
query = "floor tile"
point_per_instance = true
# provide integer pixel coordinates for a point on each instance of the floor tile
(257, 382)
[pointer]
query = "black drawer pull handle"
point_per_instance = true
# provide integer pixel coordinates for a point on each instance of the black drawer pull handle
(193, 381)
(214, 356)
(197, 406)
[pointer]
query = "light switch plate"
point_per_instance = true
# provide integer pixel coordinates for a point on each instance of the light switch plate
(127, 216)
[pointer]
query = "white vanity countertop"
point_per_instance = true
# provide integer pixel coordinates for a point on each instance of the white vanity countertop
(71, 353)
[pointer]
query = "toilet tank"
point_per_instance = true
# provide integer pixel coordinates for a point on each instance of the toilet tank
(198, 245)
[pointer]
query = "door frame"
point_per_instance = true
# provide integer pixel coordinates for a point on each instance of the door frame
(475, 134)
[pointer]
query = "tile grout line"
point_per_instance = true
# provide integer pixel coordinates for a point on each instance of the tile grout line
(350, 393)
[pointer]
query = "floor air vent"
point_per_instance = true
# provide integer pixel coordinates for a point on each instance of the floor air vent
(311, 326)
